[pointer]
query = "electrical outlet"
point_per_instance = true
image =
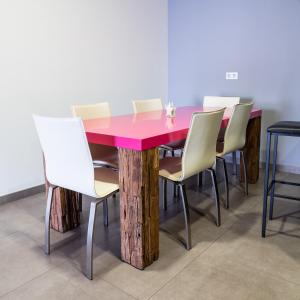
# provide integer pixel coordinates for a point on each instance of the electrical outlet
(232, 75)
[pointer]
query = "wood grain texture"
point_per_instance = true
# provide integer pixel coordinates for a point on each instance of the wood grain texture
(65, 211)
(139, 206)
(252, 151)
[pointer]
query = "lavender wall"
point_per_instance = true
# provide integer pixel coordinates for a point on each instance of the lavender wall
(260, 39)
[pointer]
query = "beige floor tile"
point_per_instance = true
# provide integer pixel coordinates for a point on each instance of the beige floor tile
(224, 279)
(277, 255)
(66, 282)
(21, 261)
(142, 284)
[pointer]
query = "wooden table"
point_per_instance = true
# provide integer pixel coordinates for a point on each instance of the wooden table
(138, 138)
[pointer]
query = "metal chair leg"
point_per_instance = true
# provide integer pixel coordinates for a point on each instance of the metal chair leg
(165, 206)
(80, 202)
(226, 183)
(47, 220)
(164, 153)
(273, 177)
(175, 191)
(187, 220)
(266, 187)
(245, 172)
(199, 179)
(234, 164)
(105, 213)
(215, 187)
(90, 240)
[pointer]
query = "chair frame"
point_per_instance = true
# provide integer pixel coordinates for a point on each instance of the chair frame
(91, 226)
(187, 207)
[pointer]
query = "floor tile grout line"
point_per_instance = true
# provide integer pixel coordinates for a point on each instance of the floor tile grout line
(120, 289)
(196, 257)
(24, 283)
(201, 253)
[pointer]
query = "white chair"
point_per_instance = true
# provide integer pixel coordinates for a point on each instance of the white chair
(234, 140)
(213, 101)
(71, 167)
(228, 102)
(102, 155)
(141, 106)
(199, 154)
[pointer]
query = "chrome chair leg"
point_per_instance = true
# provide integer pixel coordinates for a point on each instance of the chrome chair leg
(226, 182)
(90, 239)
(164, 153)
(47, 219)
(273, 177)
(215, 188)
(186, 211)
(234, 164)
(245, 172)
(199, 179)
(80, 202)
(105, 213)
(165, 204)
(175, 190)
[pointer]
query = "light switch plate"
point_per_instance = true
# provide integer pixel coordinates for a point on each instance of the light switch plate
(232, 75)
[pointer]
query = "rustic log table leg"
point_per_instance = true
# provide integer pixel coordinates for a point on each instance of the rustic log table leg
(252, 151)
(65, 211)
(139, 206)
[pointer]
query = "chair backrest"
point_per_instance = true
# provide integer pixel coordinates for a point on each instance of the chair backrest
(140, 106)
(235, 134)
(67, 156)
(91, 111)
(200, 147)
(212, 101)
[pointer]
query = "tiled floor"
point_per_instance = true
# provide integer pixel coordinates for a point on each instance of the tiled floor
(229, 262)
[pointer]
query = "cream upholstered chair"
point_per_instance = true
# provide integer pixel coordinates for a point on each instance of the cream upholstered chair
(199, 154)
(101, 154)
(235, 139)
(228, 102)
(72, 168)
(140, 106)
(214, 101)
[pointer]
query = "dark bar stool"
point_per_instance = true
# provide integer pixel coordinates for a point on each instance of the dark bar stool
(284, 128)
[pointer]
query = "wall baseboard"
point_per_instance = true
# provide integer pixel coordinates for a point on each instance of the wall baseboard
(41, 188)
(22, 194)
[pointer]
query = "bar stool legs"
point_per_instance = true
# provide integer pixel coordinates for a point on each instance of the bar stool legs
(266, 187)
(273, 176)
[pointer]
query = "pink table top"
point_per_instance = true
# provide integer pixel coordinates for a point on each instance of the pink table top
(146, 130)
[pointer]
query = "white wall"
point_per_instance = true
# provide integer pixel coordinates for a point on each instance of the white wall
(54, 53)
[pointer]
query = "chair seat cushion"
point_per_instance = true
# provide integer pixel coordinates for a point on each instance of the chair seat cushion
(106, 181)
(285, 127)
(170, 168)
